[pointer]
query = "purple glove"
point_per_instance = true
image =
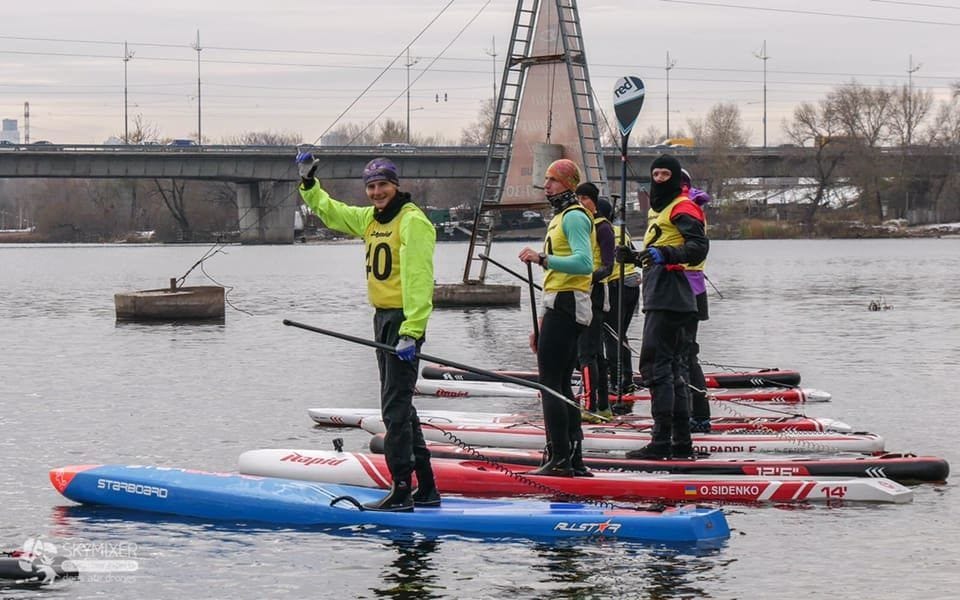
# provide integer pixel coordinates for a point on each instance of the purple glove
(699, 196)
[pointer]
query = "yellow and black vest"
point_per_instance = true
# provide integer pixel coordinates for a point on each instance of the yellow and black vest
(662, 232)
(556, 243)
(383, 260)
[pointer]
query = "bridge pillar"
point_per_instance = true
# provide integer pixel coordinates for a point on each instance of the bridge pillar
(266, 211)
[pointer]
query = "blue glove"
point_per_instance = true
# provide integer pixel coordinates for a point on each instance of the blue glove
(306, 166)
(407, 349)
(650, 256)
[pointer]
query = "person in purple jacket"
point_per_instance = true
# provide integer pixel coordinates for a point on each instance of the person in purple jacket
(700, 406)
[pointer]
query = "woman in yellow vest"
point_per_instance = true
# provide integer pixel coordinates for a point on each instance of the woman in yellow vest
(675, 237)
(567, 260)
(400, 241)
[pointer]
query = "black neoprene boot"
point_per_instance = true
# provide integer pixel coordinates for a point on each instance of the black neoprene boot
(426, 494)
(576, 460)
(557, 465)
(659, 446)
(399, 499)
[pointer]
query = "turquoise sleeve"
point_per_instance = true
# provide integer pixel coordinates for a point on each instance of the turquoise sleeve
(352, 220)
(418, 237)
(576, 226)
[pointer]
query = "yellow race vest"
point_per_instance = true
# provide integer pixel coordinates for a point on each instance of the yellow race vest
(383, 260)
(662, 232)
(629, 268)
(556, 243)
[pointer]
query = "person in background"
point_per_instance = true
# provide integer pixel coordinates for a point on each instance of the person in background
(400, 242)
(700, 406)
(675, 237)
(567, 260)
(631, 297)
(590, 354)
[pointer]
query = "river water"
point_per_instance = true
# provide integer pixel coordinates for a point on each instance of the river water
(78, 388)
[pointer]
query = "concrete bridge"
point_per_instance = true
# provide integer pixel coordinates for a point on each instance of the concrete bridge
(265, 176)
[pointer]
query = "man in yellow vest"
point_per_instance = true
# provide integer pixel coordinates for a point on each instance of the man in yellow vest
(567, 260)
(675, 237)
(400, 241)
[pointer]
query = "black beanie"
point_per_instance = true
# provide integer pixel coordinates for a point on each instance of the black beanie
(605, 209)
(589, 190)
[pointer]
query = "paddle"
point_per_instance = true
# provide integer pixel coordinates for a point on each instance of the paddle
(628, 95)
(442, 361)
(533, 305)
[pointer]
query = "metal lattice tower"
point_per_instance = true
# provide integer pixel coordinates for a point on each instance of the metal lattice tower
(545, 35)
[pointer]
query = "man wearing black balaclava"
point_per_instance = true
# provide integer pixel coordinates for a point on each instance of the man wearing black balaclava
(675, 237)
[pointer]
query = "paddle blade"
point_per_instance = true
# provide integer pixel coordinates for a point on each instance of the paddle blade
(628, 94)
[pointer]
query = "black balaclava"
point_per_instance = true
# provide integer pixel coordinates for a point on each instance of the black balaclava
(662, 194)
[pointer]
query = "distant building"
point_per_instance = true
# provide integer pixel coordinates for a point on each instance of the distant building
(9, 131)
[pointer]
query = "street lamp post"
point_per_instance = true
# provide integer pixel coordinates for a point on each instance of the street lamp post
(492, 53)
(127, 55)
(197, 47)
(762, 55)
(409, 64)
(670, 64)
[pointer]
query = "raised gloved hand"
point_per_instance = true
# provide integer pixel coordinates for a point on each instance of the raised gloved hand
(307, 167)
(650, 256)
(407, 349)
(626, 254)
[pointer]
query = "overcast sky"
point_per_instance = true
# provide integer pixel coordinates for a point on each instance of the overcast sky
(295, 66)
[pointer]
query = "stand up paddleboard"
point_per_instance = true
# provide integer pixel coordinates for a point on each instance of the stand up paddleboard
(494, 389)
(902, 468)
(474, 477)
(721, 379)
(351, 417)
(605, 438)
(237, 498)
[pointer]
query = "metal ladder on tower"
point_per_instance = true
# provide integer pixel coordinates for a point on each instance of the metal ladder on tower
(501, 138)
(508, 107)
(591, 144)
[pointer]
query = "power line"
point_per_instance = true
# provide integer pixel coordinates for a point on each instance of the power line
(812, 12)
(924, 4)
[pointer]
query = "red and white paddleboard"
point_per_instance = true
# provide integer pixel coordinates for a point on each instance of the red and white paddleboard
(351, 417)
(902, 468)
(483, 478)
(719, 379)
(607, 439)
(495, 389)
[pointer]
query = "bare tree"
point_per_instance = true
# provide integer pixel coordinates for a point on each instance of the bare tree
(910, 108)
(818, 126)
(478, 132)
(173, 197)
(142, 131)
(265, 138)
(717, 134)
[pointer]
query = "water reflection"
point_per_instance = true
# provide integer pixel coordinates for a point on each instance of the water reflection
(412, 573)
(610, 569)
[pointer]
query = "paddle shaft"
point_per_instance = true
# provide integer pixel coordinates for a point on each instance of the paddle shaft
(388, 348)
(533, 306)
